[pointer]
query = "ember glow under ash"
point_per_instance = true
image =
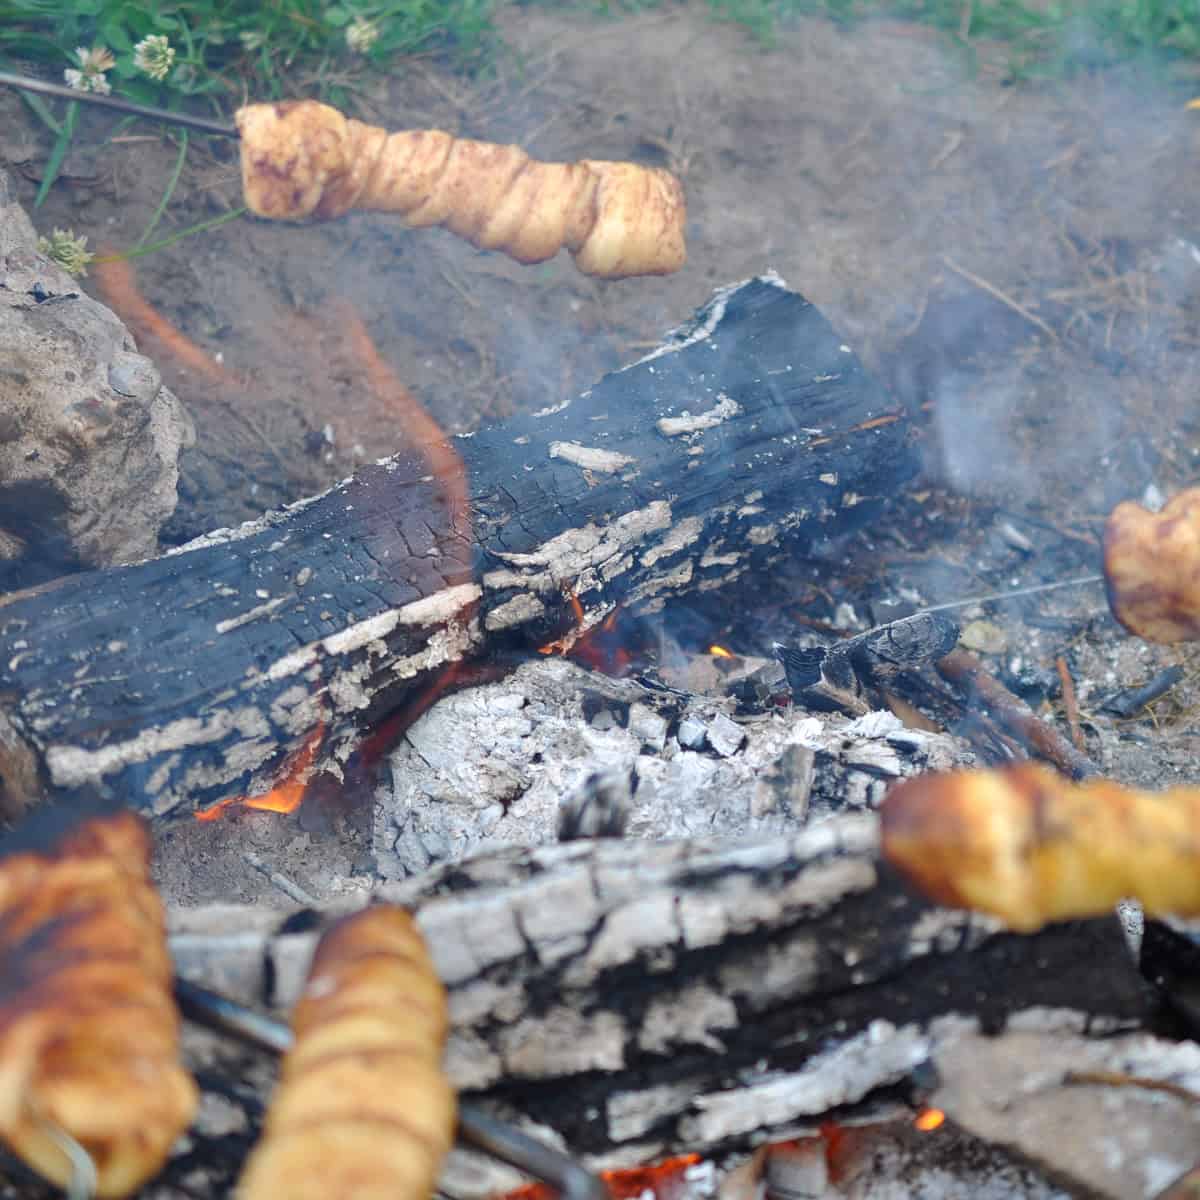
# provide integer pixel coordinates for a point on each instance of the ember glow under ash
(684, 1177)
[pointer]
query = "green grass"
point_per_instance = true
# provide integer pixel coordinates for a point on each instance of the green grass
(224, 49)
(1046, 37)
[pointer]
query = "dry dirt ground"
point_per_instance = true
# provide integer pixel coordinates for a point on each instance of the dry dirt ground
(1017, 262)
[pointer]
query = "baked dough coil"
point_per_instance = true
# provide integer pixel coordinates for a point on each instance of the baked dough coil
(1027, 845)
(363, 1110)
(1152, 568)
(89, 1031)
(302, 159)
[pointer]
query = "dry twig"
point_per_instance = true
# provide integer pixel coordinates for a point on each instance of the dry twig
(1003, 297)
(1070, 703)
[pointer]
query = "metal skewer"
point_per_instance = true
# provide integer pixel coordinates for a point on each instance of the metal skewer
(118, 104)
(1012, 594)
(476, 1129)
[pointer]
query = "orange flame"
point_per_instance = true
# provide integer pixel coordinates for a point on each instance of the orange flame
(118, 285)
(427, 438)
(388, 731)
(563, 644)
(422, 432)
(287, 795)
(929, 1119)
(720, 652)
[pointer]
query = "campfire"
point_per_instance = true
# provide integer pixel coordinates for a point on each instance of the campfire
(709, 895)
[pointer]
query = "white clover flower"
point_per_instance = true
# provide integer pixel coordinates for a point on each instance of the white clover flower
(361, 35)
(70, 252)
(92, 65)
(154, 55)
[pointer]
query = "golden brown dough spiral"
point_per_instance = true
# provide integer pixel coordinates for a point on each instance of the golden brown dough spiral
(89, 1032)
(303, 159)
(1152, 568)
(1029, 846)
(363, 1110)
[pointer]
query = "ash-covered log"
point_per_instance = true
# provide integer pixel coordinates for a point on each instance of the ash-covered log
(188, 679)
(643, 998)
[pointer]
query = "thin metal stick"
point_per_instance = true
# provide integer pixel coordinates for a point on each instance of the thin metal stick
(84, 1179)
(222, 1015)
(477, 1129)
(484, 1132)
(1025, 591)
(118, 104)
(292, 890)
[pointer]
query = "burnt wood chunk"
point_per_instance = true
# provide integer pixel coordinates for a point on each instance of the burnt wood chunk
(190, 678)
(696, 995)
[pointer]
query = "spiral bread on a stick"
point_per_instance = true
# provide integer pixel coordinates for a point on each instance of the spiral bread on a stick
(1152, 568)
(302, 159)
(89, 1032)
(363, 1110)
(1029, 846)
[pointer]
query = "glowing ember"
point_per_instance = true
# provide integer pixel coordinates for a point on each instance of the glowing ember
(671, 1179)
(284, 797)
(875, 422)
(720, 652)
(929, 1119)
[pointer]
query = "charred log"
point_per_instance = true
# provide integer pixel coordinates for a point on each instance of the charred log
(190, 678)
(643, 998)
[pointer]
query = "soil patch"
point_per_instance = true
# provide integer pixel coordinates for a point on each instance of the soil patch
(1016, 262)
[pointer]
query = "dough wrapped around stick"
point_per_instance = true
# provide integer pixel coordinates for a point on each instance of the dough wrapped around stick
(89, 1031)
(1027, 845)
(1152, 568)
(302, 159)
(363, 1110)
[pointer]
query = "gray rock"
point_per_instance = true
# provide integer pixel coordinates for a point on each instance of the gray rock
(89, 437)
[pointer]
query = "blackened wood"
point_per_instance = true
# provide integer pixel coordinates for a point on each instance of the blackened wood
(690, 995)
(189, 678)
(849, 674)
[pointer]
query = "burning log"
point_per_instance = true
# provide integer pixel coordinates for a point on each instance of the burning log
(190, 678)
(646, 998)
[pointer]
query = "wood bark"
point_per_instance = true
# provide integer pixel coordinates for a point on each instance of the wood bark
(642, 998)
(190, 678)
